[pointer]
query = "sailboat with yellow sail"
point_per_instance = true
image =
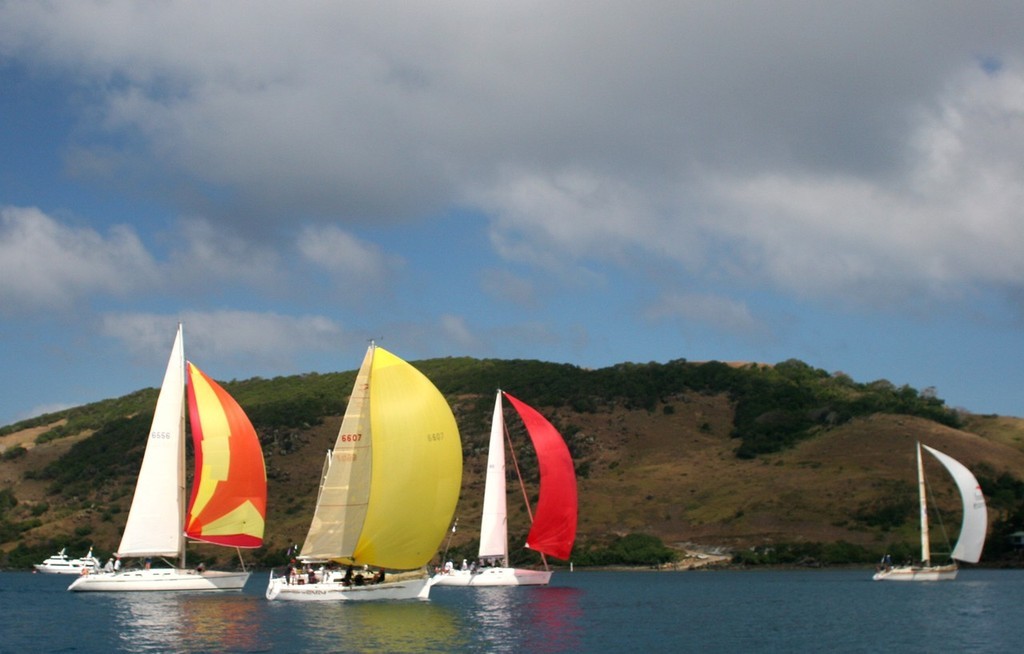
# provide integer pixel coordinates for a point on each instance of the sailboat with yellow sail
(387, 494)
(229, 495)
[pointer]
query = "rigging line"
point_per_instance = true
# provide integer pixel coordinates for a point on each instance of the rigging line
(515, 464)
(449, 543)
(938, 514)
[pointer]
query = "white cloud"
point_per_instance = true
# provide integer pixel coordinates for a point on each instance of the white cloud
(48, 265)
(952, 221)
(218, 255)
(261, 340)
(381, 110)
(803, 148)
(353, 261)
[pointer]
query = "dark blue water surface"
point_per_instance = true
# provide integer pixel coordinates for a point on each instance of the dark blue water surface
(717, 611)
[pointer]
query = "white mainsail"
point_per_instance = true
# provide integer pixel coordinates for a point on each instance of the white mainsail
(155, 525)
(494, 521)
(975, 520)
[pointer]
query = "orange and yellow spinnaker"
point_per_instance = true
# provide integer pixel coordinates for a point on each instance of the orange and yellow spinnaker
(229, 492)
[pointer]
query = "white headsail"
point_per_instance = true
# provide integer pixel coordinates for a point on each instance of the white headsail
(494, 521)
(975, 523)
(155, 521)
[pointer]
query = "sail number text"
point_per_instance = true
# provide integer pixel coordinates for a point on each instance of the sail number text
(435, 436)
(350, 438)
(160, 435)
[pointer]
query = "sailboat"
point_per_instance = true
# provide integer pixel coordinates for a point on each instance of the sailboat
(554, 524)
(387, 493)
(972, 530)
(229, 494)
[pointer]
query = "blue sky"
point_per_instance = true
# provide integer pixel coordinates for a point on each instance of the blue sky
(588, 183)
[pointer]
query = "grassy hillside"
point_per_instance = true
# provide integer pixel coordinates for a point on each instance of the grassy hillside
(781, 458)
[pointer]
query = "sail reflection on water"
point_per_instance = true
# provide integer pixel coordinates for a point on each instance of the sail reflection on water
(164, 622)
(375, 627)
(535, 619)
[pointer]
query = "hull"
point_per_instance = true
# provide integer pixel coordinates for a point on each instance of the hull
(493, 577)
(333, 590)
(917, 573)
(160, 579)
(66, 568)
(60, 564)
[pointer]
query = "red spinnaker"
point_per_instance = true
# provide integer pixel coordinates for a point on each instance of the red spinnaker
(554, 521)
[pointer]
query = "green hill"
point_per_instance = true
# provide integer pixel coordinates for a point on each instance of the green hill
(770, 463)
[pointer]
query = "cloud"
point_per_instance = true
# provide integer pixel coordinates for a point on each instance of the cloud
(509, 287)
(951, 221)
(456, 331)
(774, 145)
(947, 221)
(203, 253)
(695, 309)
(355, 264)
(260, 340)
(48, 265)
(363, 111)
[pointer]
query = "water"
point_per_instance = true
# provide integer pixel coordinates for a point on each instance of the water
(721, 611)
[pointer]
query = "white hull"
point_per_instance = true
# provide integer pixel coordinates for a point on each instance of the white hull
(67, 567)
(160, 579)
(60, 564)
(493, 577)
(332, 590)
(916, 573)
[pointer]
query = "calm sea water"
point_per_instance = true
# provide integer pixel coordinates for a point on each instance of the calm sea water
(717, 611)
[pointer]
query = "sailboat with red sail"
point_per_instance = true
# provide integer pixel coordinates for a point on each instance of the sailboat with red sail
(553, 529)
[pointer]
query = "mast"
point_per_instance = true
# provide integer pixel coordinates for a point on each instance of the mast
(181, 456)
(503, 488)
(926, 555)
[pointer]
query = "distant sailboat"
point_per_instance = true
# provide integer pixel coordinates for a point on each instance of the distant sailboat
(229, 494)
(554, 523)
(388, 490)
(972, 530)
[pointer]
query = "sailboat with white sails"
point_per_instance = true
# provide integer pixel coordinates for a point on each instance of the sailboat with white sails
(387, 494)
(972, 530)
(553, 528)
(229, 494)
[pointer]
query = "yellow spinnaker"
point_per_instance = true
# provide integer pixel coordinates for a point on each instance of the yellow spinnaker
(416, 469)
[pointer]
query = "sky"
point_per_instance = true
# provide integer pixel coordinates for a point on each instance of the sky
(579, 182)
